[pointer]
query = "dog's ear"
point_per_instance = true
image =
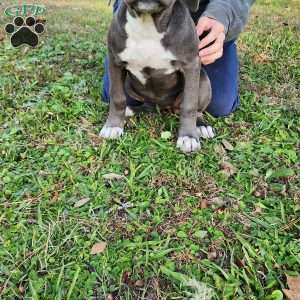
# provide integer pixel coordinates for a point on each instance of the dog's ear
(193, 5)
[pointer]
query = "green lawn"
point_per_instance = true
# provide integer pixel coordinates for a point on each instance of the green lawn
(228, 217)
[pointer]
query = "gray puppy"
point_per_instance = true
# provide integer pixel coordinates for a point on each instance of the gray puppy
(153, 57)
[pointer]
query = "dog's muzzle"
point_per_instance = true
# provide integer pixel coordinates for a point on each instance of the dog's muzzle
(145, 6)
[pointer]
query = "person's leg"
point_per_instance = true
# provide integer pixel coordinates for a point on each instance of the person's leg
(224, 77)
(105, 83)
(106, 80)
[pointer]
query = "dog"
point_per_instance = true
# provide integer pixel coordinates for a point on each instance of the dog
(153, 57)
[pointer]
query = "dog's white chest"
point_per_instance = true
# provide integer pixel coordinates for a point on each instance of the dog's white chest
(144, 48)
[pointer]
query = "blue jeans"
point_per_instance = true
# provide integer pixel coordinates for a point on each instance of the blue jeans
(223, 75)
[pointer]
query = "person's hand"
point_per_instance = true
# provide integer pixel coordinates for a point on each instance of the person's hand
(216, 36)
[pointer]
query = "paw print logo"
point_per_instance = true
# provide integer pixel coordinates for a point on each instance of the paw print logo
(25, 31)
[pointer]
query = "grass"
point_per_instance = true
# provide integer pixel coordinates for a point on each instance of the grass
(171, 218)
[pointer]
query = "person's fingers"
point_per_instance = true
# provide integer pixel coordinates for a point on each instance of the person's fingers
(202, 25)
(215, 47)
(209, 59)
(211, 37)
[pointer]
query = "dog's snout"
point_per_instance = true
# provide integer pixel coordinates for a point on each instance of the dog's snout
(146, 6)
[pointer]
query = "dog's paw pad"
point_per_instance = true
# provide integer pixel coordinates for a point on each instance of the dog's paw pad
(188, 144)
(25, 31)
(206, 132)
(111, 132)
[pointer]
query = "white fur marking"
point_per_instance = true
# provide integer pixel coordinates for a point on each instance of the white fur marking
(129, 112)
(111, 132)
(144, 48)
(206, 132)
(188, 144)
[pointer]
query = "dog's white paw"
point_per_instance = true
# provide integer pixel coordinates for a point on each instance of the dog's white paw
(188, 144)
(111, 132)
(206, 132)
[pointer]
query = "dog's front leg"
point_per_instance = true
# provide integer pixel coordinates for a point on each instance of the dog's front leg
(114, 125)
(188, 138)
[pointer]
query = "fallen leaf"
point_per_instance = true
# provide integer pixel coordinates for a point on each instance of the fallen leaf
(126, 277)
(219, 149)
(227, 168)
(204, 203)
(139, 283)
(212, 255)
(294, 288)
(113, 176)
(217, 202)
(254, 172)
(55, 197)
(240, 263)
(227, 145)
(98, 248)
(21, 289)
(258, 210)
(166, 135)
(109, 297)
(81, 202)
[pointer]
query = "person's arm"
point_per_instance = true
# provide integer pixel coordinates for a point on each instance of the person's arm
(224, 20)
(233, 14)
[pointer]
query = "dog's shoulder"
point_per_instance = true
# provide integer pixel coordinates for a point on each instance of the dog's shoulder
(117, 35)
(181, 36)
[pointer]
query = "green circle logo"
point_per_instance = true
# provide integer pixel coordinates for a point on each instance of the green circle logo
(24, 10)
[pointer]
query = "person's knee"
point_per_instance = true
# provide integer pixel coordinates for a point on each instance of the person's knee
(224, 106)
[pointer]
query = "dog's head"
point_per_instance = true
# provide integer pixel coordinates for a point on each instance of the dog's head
(149, 6)
(157, 6)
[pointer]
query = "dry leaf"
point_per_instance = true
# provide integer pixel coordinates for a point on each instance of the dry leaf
(139, 283)
(21, 289)
(212, 255)
(166, 135)
(204, 204)
(98, 248)
(219, 149)
(227, 145)
(113, 176)
(81, 202)
(218, 202)
(294, 288)
(258, 210)
(227, 168)
(55, 197)
(109, 297)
